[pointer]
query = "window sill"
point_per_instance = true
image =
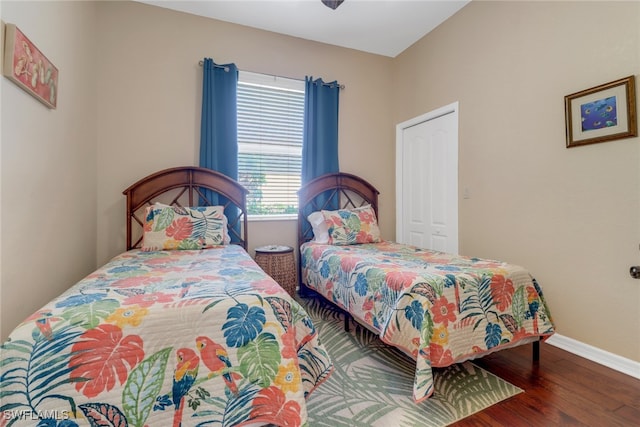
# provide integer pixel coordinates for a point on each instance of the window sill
(284, 217)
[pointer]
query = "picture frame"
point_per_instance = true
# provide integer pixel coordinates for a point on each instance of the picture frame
(26, 66)
(602, 113)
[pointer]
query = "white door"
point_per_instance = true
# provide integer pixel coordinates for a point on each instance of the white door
(427, 180)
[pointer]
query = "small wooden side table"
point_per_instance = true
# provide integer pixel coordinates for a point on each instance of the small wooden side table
(279, 263)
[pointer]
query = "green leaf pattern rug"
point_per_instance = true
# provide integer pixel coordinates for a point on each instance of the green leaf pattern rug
(372, 383)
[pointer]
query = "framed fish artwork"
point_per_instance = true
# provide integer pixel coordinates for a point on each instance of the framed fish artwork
(29, 68)
(602, 113)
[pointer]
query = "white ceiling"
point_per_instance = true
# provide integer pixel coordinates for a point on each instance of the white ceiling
(384, 27)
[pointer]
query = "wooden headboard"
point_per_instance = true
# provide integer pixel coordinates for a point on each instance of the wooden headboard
(351, 192)
(186, 186)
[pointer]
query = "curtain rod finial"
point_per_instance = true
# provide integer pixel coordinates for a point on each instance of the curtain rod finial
(333, 4)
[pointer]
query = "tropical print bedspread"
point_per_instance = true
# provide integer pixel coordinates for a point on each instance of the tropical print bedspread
(439, 308)
(165, 338)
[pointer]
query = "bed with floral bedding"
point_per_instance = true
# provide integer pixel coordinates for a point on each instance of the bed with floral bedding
(165, 334)
(438, 308)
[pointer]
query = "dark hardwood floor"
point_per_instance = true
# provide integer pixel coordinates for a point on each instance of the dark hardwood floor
(562, 389)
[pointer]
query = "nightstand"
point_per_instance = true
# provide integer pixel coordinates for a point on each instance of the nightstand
(279, 263)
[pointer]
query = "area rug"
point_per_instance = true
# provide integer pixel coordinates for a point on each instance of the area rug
(371, 384)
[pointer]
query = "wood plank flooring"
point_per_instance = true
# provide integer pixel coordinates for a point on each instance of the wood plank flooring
(562, 389)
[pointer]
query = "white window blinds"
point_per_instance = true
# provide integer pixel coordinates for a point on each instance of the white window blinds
(270, 121)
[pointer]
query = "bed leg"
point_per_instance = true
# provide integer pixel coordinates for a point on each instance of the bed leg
(303, 291)
(346, 321)
(536, 351)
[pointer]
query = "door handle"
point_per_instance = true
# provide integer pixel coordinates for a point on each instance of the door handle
(634, 271)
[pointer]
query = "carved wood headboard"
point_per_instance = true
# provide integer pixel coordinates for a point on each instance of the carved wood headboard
(186, 186)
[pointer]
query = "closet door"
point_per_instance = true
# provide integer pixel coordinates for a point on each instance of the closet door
(427, 181)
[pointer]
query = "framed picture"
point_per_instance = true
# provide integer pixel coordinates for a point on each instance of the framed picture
(603, 113)
(29, 68)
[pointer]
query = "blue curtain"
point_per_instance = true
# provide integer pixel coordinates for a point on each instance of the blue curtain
(320, 137)
(219, 125)
(219, 129)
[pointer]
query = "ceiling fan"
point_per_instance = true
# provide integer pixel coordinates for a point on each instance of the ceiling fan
(333, 4)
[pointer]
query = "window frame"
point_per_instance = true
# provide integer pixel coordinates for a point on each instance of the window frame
(284, 84)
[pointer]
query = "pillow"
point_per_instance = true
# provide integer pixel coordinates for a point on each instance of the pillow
(352, 226)
(173, 227)
(226, 238)
(320, 228)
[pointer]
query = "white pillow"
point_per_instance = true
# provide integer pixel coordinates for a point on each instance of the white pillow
(320, 228)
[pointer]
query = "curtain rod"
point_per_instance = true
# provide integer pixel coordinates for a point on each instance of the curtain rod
(201, 63)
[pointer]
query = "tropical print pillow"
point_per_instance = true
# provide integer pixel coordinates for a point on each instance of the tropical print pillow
(176, 227)
(352, 226)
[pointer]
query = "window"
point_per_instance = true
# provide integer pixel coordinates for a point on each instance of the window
(270, 122)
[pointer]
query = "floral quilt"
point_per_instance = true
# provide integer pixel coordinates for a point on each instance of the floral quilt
(190, 337)
(438, 308)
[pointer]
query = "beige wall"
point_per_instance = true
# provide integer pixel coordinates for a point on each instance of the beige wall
(48, 157)
(150, 92)
(3, 333)
(571, 216)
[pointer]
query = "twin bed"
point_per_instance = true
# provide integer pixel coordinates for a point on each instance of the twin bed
(193, 334)
(184, 328)
(438, 308)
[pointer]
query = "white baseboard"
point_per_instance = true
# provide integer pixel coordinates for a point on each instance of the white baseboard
(610, 360)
